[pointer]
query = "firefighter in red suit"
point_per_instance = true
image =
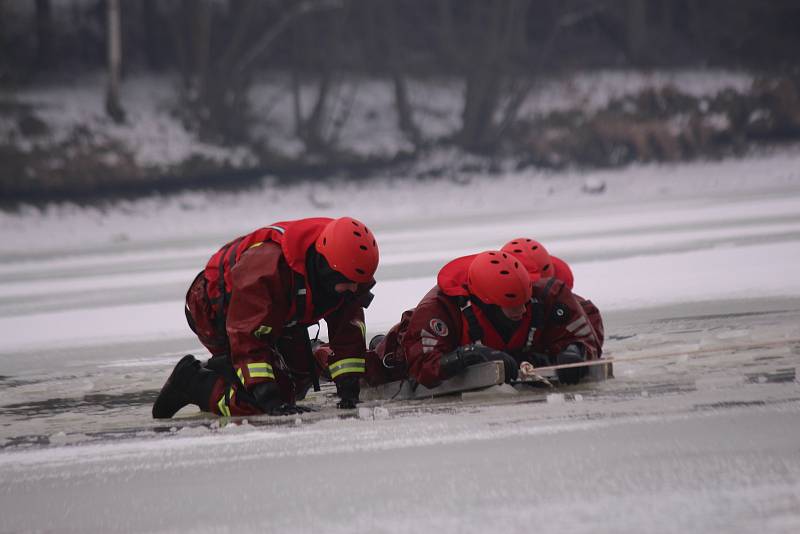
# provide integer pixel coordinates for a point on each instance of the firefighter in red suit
(540, 263)
(484, 307)
(251, 307)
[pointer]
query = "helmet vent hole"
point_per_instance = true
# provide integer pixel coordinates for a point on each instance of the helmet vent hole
(503, 272)
(324, 241)
(357, 234)
(518, 250)
(374, 244)
(534, 247)
(495, 262)
(363, 247)
(511, 295)
(546, 267)
(504, 255)
(360, 271)
(354, 224)
(492, 254)
(516, 265)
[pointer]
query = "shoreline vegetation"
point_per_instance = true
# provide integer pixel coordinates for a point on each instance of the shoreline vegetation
(48, 157)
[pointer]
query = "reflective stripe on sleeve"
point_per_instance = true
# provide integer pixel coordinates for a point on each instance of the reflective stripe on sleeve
(577, 323)
(348, 365)
(585, 331)
(260, 370)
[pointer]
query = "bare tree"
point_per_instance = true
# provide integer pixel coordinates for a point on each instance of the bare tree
(636, 29)
(482, 42)
(44, 34)
(114, 43)
(217, 78)
(389, 22)
(320, 127)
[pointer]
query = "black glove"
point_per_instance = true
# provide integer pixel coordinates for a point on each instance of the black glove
(456, 361)
(267, 396)
(348, 388)
(574, 353)
(509, 364)
(539, 359)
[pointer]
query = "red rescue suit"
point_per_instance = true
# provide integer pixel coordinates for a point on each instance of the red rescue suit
(563, 272)
(554, 319)
(253, 303)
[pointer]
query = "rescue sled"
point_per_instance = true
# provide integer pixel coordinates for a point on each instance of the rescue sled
(479, 376)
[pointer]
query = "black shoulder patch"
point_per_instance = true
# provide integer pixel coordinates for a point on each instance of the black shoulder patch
(560, 313)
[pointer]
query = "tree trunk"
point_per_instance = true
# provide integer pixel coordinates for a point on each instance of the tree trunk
(200, 42)
(636, 30)
(152, 44)
(486, 73)
(405, 113)
(113, 106)
(44, 33)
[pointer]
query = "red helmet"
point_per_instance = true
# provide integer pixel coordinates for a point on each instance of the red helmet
(499, 278)
(562, 271)
(533, 256)
(349, 248)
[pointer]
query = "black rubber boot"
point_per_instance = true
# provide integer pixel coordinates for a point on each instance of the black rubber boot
(375, 341)
(189, 383)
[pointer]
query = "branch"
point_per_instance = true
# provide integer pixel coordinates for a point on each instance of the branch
(263, 44)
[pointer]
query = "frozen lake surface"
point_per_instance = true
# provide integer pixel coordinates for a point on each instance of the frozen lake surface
(696, 268)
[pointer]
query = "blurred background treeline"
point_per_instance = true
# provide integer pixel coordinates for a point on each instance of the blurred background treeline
(109, 95)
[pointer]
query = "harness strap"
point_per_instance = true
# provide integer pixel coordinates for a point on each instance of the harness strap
(300, 293)
(312, 362)
(231, 262)
(221, 303)
(537, 320)
(548, 285)
(474, 328)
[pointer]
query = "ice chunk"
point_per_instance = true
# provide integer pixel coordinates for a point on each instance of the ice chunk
(593, 186)
(365, 413)
(732, 334)
(555, 398)
(578, 397)
(58, 437)
(380, 413)
(194, 430)
(492, 391)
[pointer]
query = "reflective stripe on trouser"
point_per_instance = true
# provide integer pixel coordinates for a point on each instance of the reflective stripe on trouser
(347, 365)
(229, 404)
